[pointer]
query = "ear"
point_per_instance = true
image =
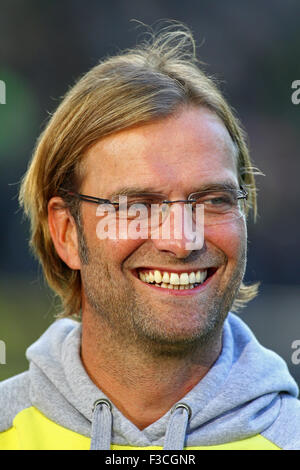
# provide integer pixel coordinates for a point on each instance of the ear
(63, 232)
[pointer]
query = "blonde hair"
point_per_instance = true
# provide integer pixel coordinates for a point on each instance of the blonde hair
(147, 82)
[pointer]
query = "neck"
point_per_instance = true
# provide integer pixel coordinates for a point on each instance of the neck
(142, 385)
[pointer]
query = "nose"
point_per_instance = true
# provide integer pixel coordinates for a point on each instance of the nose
(180, 233)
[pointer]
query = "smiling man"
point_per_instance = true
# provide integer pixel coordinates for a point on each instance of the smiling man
(155, 358)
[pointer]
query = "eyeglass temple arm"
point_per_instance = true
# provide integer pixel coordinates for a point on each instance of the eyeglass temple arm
(87, 198)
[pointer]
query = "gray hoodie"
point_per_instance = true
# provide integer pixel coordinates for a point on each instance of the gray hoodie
(247, 400)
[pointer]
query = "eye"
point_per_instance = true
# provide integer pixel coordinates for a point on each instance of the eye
(136, 208)
(144, 202)
(217, 200)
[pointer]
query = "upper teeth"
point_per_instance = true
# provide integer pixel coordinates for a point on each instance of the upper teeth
(175, 279)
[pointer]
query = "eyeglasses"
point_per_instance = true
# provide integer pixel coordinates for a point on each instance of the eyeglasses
(220, 206)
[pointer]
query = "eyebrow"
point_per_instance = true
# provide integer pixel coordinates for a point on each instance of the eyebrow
(225, 185)
(142, 191)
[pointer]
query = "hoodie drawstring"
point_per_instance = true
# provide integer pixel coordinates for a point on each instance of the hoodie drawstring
(177, 425)
(101, 425)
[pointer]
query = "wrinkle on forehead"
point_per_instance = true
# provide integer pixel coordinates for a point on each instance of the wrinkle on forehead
(160, 152)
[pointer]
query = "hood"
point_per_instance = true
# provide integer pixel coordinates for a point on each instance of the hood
(238, 398)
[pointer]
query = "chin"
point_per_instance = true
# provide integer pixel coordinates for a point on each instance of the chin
(180, 339)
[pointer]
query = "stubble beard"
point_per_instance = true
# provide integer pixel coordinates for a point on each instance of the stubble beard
(132, 322)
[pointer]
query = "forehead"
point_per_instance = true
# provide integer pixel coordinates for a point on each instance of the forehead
(181, 152)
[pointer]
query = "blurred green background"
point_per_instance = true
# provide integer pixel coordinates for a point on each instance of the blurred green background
(251, 47)
(27, 309)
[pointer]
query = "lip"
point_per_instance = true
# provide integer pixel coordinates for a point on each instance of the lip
(184, 292)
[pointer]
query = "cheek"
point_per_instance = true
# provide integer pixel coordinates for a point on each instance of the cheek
(110, 249)
(101, 236)
(230, 238)
(117, 251)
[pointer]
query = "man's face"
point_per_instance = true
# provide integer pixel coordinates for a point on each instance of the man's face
(174, 156)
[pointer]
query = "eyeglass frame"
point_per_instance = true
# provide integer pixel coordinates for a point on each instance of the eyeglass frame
(97, 200)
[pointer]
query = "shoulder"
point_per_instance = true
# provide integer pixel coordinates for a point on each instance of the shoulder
(285, 430)
(14, 397)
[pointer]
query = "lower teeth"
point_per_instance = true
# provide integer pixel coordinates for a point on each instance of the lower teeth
(171, 286)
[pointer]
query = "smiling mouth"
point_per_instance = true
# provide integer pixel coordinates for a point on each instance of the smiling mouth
(175, 280)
